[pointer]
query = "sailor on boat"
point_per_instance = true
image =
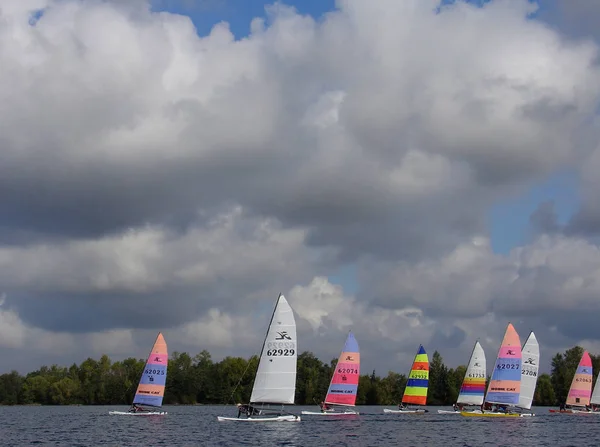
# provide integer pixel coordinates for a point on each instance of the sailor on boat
(248, 410)
(324, 407)
(135, 408)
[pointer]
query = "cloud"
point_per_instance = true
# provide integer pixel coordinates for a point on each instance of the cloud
(151, 178)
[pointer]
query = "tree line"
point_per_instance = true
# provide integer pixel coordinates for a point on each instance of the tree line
(200, 380)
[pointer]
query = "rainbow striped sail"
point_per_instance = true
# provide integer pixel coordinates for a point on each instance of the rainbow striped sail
(344, 383)
(581, 386)
(505, 385)
(418, 380)
(151, 389)
(472, 390)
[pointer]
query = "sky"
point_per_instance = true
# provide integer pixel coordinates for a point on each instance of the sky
(414, 172)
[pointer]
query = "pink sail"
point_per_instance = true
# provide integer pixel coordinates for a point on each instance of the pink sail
(581, 386)
(505, 385)
(344, 383)
(151, 388)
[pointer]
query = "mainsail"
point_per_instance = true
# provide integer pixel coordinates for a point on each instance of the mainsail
(151, 389)
(275, 381)
(529, 371)
(581, 386)
(595, 400)
(505, 385)
(418, 380)
(472, 390)
(344, 383)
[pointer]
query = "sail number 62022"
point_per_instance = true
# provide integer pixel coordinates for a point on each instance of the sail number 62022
(281, 349)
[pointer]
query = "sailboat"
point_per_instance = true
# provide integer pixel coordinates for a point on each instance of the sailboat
(151, 388)
(416, 386)
(530, 366)
(505, 386)
(472, 390)
(595, 399)
(580, 392)
(275, 381)
(344, 383)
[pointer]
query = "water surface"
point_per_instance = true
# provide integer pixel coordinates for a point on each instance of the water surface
(198, 426)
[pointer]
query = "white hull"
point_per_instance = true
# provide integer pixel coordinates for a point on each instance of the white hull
(387, 410)
(280, 418)
(331, 413)
(140, 413)
(448, 412)
(511, 414)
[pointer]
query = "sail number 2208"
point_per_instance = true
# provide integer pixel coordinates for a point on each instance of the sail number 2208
(281, 349)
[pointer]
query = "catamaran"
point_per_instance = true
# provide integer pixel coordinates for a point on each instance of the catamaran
(275, 381)
(595, 399)
(416, 386)
(472, 390)
(341, 395)
(151, 388)
(505, 385)
(578, 399)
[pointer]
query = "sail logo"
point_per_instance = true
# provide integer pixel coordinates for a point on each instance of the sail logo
(349, 358)
(151, 379)
(157, 359)
(511, 352)
(283, 335)
(529, 361)
(476, 365)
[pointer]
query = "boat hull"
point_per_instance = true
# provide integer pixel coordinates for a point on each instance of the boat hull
(569, 411)
(387, 410)
(331, 413)
(448, 412)
(140, 413)
(279, 418)
(492, 414)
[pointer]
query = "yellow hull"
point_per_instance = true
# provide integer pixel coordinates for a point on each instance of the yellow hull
(490, 415)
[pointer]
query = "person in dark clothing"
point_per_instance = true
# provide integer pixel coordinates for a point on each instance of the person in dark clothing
(248, 410)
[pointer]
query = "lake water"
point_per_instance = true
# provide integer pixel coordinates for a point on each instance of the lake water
(198, 426)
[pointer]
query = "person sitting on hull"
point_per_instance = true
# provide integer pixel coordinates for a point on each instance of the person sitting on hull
(324, 407)
(135, 408)
(247, 409)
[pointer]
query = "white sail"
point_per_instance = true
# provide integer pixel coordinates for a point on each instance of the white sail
(470, 394)
(529, 371)
(275, 380)
(595, 400)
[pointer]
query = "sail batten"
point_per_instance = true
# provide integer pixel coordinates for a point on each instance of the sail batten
(151, 387)
(418, 380)
(581, 386)
(505, 384)
(529, 371)
(275, 381)
(344, 382)
(472, 390)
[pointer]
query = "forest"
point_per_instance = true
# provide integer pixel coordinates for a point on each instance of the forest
(200, 380)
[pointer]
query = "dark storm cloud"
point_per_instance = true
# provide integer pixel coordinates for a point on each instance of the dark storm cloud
(149, 177)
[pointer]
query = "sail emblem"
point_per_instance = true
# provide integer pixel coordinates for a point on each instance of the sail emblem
(476, 365)
(283, 335)
(349, 358)
(157, 359)
(510, 352)
(530, 361)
